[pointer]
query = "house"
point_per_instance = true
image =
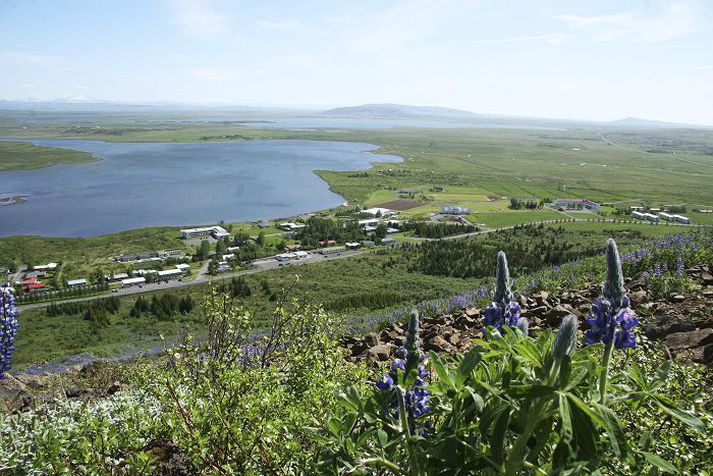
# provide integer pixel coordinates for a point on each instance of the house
(35, 274)
(216, 232)
(293, 247)
(76, 283)
(301, 254)
(227, 257)
(169, 274)
(645, 216)
(144, 272)
(409, 191)
(286, 257)
(437, 189)
(146, 255)
(171, 254)
(183, 266)
(332, 250)
(132, 281)
(119, 277)
(370, 222)
(455, 210)
(636, 209)
(379, 212)
(391, 231)
(45, 267)
(327, 243)
(367, 243)
(681, 219)
(388, 241)
(263, 224)
(290, 226)
(233, 249)
(34, 287)
(577, 204)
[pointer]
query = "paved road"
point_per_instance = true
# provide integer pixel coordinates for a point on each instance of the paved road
(258, 266)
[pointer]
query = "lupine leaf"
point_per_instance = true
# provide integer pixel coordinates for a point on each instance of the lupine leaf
(659, 462)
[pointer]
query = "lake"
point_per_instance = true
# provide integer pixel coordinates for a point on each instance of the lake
(178, 184)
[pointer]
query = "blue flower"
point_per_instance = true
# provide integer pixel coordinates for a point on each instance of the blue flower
(385, 383)
(607, 323)
(499, 315)
(8, 329)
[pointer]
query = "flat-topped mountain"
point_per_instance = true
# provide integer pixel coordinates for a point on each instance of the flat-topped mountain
(397, 110)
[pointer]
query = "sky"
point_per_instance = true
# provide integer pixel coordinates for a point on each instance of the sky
(599, 60)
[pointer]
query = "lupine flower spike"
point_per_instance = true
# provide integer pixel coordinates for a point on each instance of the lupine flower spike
(503, 311)
(611, 319)
(8, 329)
(415, 397)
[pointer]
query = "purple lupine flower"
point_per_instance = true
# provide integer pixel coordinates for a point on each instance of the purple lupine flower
(502, 311)
(680, 266)
(611, 319)
(8, 329)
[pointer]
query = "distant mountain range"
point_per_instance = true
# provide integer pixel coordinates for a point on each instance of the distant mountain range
(397, 110)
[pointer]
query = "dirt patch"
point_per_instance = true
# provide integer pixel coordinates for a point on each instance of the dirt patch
(400, 204)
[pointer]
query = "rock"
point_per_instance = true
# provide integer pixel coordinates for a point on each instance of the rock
(379, 353)
(689, 340)
(437, 343)
(454, 339)
(170, 459)
(116, 387)
(14, 395)
(678, 298)
(541, 296)
(472, 312)
(372, 339)
(703, 355)
(666, 325)
(638, 297)
(707, 278)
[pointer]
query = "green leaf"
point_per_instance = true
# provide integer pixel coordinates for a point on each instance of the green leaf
(617, 436)
(440, 367)
(679, 414)
(585, 432)
(470, 360)
(498, 441)
(565, 414)
(660, 463)
(533, 391)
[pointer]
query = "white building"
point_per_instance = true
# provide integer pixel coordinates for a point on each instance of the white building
(216, 232)
(169, 274)
(381, 212)
(645, 216)
(454, 210)
(289, 226)
(577, 203)
(183, 266)
(45, 267)
(132, 281)
(75, 283)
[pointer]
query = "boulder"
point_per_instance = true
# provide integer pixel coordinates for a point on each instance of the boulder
(638, 297)
(14, 395)
(379, 353)
(689, 340)
(472, 312)
(707, 278)
(372, 339)
(437, 344)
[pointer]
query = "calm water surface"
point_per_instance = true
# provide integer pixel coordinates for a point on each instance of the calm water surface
(150, 184)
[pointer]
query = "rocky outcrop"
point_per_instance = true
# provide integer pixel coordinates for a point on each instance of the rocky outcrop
(683, 322)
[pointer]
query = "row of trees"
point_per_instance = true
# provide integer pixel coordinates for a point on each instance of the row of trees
(321, 229)
(437, 230)
(517, 204)
(531, 248)
(163, 307)
(110, 305)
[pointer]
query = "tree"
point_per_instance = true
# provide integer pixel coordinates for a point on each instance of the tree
(261, 239)
(203, 251)
(380, 231)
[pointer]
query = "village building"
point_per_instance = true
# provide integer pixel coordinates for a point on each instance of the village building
(577, 204)
(183, 266)
(169, 274)
(45, 267)
(132, 281)
(289, 226)
(645, 216)
(216, 232)
(77, 283)
(332, 250)
(379, 212)
(455, 210)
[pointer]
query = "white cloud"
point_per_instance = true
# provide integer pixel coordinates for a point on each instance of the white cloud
(212, 74)
(18, 57)
(280, 25)
(550, 39)
(675, 21)
(199, 18)
(406, 23)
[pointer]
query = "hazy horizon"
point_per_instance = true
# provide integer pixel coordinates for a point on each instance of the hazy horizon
(567, 60)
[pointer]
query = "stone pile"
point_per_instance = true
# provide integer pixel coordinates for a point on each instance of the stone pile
(684, 322)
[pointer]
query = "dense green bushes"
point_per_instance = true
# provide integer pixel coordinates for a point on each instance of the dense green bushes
(436, 230)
